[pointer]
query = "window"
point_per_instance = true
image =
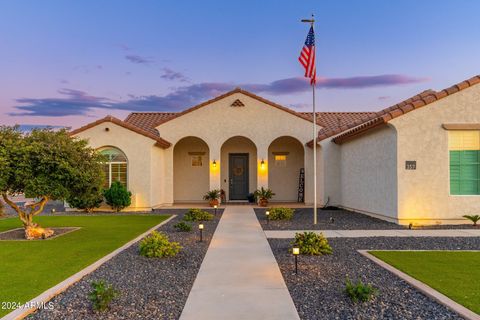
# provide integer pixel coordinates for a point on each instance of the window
(197, 161)
(280, 160)
(115, 168)
(464, 149)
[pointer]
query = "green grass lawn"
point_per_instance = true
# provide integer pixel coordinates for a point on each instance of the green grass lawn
(28, 268)
(455, 274)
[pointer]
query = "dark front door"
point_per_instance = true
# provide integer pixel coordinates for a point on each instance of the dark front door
(238, 176)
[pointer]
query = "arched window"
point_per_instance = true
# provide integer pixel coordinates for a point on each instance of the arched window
(116, 166)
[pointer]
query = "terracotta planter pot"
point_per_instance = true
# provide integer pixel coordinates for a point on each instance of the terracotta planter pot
(263, 203)
(213, 202)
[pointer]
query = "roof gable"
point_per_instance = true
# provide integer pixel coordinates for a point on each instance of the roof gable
(159, 141)
(225, 95)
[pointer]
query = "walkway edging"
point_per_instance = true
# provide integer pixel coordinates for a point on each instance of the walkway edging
(32, 305)
(440, 233)
(423, 288)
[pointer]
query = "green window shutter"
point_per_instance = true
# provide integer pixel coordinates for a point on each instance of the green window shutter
(455, 172)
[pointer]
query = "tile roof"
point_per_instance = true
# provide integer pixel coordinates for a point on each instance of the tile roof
(147, 133)
(420, 100)
(333, 120)
(148, 120)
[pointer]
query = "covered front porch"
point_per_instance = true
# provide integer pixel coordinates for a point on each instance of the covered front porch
(238, 166)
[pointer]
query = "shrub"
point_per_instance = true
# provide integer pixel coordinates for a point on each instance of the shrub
(157, 245)
(117, 196)
(359, 291)
(102, 295)
(212, 195)
(87, 201)
(197, 215)
(472, 218)
(311, 243)
(281, 214)
(182, 226)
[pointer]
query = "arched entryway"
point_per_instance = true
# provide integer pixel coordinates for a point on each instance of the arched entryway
(285, 158)
(238, 172)
(190, 170)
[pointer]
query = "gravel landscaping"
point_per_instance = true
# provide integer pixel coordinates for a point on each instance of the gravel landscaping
(317, 290)
(342, 220)
(149, 288)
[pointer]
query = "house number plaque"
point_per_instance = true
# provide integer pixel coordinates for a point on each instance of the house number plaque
(411, 165)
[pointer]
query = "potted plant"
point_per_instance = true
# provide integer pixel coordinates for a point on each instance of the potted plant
(212, 196)
(263, 195)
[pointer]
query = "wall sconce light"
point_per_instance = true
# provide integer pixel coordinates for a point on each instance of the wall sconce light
(262, 164)
(296, 252)
(200, 227)
(214, 164)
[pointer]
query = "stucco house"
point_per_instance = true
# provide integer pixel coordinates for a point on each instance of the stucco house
(415, 162)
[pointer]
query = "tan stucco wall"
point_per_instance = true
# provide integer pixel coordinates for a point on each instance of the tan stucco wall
(238, 145)
(190, 183)
(368, 177)
(331, 172)
(261, 123)
(138, 150)
(424, 193)
(284, 180)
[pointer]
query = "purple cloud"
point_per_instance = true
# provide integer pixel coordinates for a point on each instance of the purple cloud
(134, 58)
(171, 75)
(75, 102)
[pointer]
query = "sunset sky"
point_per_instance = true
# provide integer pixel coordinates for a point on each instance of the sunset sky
(70, 62)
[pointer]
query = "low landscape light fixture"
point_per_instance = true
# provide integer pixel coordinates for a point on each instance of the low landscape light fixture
(215, 207)
(262, 164)
(410, 226)
(296, 252)
(214, 164)
(267, 213)
(200, 227)
(53, 210)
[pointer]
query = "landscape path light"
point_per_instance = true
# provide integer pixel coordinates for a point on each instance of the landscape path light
(267, 213)
(296, 252)
(200, 227)
(215, 207)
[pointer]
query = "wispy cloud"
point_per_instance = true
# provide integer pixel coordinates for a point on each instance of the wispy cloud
(383, 97)
(76, 102)
(135, 58)
(171, 75)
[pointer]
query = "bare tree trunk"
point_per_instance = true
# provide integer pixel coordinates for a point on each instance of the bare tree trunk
(2, 209)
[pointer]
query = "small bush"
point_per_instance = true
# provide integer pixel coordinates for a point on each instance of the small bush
(117, 196)
(88, 200)
(311, 243)
(359, 291)
(102, 295)
(197, 215)
(157, 245)
(473, 218)
(182, 226)
(281, 214)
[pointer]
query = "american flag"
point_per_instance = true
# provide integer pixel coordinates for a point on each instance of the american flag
(307, 57)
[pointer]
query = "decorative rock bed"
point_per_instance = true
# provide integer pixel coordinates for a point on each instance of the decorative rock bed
(342, 220)
(149, 288)
(19, 234)
(317, 290)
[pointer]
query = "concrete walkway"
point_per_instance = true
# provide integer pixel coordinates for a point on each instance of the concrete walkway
(239, 277)
(286, 234)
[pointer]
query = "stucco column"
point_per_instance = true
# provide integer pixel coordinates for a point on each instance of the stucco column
(309, 176)
(262, 166)
(168, 177)
(214, 166)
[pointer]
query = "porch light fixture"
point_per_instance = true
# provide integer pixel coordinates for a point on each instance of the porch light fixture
(296, 252)
(262, 164)
(200, 227)
(214, 164)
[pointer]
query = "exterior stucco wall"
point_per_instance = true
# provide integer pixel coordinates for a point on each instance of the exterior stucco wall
(261, 123)
(138, 150)
(331, 172)
(190, 183)
(284, 180)
(368, 174)
(424, 193)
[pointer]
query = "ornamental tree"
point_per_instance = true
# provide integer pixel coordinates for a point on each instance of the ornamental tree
(44, 165)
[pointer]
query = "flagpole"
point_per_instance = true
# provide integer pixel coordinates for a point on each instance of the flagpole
(314, 135)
